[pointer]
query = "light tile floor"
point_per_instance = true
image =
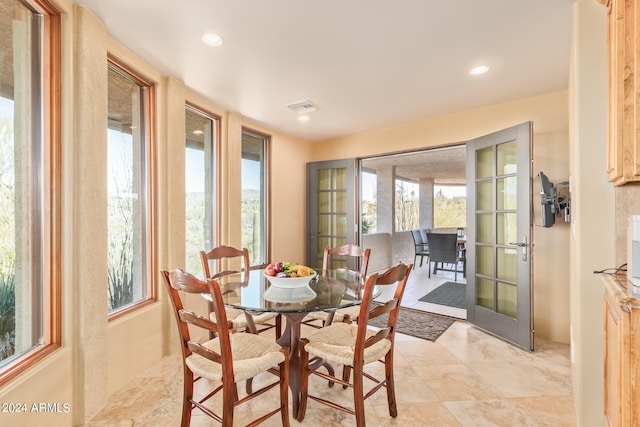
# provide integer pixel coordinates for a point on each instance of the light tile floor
(466, 378)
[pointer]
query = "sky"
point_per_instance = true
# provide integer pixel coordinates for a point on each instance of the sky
(6, 107)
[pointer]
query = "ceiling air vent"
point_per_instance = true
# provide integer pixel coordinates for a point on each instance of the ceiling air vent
(303, 107)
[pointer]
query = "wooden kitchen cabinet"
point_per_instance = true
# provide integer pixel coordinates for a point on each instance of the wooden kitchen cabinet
(621, 355)
(623, 140)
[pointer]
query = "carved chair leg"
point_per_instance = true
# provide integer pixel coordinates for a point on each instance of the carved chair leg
(188, 396)
(391, 388)
(229, 397)
(358, 396)
(278, 326)
(304, 380)
(329, 319)
(346, 374)
(251, 326)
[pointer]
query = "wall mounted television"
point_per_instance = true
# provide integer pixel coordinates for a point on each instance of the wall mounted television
(547, 200)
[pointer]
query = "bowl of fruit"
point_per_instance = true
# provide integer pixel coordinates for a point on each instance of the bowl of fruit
(288, 274)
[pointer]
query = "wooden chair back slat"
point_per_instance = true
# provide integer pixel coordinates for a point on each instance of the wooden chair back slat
(221, 253)
(351, 250)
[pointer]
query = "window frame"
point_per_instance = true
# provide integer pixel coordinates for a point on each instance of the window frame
(49, 44)
(215, 180)
(266, 188)
(149, 188)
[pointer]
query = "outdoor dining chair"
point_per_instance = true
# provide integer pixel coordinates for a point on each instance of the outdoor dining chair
(444, 249)
(227, 359)
(420, 245)
(355, 346)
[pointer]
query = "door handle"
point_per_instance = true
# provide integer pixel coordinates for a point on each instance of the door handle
(524, 245)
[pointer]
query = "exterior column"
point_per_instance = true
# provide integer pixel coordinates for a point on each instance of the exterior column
(385, 200)
(426, 203)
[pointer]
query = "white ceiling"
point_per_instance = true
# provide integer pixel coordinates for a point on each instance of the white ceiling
(366, 63)
(444, 165)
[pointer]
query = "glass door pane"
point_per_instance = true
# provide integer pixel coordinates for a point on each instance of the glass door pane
(332, 207)
(331, 213)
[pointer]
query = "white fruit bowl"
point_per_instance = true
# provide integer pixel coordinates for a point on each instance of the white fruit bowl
(290, 282)
(289, 295)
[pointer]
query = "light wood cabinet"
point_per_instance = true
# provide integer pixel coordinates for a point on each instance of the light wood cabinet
(623, 139)
(621, 356)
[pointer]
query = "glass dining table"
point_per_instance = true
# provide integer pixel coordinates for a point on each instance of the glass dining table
(329, 290)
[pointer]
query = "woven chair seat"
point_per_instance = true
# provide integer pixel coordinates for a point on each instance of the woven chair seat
(336, 343)
(339, 315)
(252, 354)
(239, 320)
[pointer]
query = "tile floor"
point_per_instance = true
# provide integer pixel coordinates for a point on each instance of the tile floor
(466, 378)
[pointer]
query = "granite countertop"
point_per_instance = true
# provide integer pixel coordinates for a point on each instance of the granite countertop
(622, 290)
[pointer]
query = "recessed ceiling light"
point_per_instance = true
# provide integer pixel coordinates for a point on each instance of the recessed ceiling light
(481, 69)
(198, 132)
(303, 118)
(212, 39)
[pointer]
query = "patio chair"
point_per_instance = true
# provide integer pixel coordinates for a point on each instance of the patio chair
(355, 346)
(227, 359)
(444, 249)
(421, 246)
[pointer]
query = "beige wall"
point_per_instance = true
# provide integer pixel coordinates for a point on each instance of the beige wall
(592, 229)
(550, 115)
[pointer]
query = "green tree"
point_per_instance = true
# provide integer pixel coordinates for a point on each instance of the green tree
(407, 206)
(449, 211)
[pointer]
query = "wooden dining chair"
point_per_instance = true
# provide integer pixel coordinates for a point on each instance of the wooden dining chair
(241, 319)
(228, 359)
(354, 346)
(336, 258)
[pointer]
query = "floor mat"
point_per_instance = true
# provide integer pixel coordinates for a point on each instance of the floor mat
(416, 323)
(451, 294)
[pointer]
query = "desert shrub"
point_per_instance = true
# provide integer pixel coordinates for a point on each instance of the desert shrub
(7, 311)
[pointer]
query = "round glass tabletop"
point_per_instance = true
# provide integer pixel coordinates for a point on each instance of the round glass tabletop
(330, 289)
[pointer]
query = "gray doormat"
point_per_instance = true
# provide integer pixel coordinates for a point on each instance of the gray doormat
(416, 323)
(451, 294)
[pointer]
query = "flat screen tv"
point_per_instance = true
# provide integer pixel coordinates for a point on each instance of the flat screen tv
(547, 199)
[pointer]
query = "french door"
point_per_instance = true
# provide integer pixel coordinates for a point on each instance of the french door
(499, 234)
(331, 215)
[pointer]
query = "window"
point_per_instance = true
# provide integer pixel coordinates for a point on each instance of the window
(369, 192)
(29, 183)
(449, 206)
(254, 190)
(201, 133)
(128, 186)
(407, 201)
